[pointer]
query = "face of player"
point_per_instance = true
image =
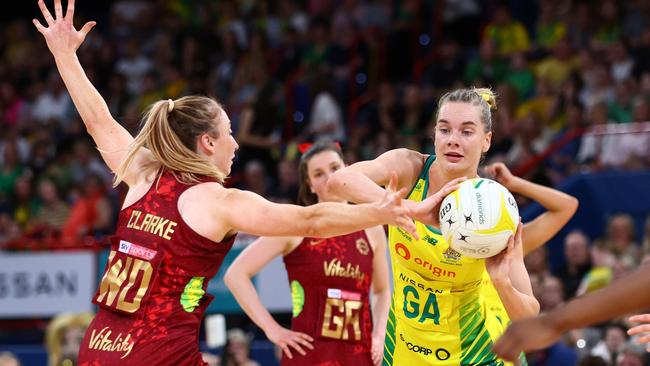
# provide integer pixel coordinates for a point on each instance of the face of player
(225, 145)
(319, 168)
(460, 138)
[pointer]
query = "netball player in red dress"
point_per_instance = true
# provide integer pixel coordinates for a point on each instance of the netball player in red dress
(330, 281)
(177, 220)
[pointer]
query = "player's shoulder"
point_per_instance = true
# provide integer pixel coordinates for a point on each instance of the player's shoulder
(404, 153)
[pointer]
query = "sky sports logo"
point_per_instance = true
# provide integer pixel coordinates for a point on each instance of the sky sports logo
(136, 250)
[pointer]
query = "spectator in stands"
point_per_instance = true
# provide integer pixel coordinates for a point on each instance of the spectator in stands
(508, 35)
(236, 352)
(549, 28)
(601, 273)
(520, 76)
(489, 68)
(53, 103)
(608, 25)
(631, 356)
(13, 106)
(326, 117)
(537, 262)
(91, 214)
(8, 359)
(621, 64)
(53, 211)
(63, 337)
(10, 169)
(613, 343)
(551, 293)
(23, 203)
(9, 229)
(558, 66)
(620, 240)
(577, 262)
(580, 22)
(645, 241)
(260, 126)
(591, 360)
(286, 189)
(134, 65)
(562, 161)
(621, 107)
(255, 178)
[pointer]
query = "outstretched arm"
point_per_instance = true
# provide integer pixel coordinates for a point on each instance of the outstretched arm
(63, 40)
(627, 294)
(559, 205)
(248, 212)
(361, 182)
(238, 279)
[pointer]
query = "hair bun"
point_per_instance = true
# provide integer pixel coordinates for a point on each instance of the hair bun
(488, 96)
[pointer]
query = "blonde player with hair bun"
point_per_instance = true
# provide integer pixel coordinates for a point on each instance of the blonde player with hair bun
(438, 314)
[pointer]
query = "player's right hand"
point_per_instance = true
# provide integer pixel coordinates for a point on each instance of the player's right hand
(426, 211)
(287, 339)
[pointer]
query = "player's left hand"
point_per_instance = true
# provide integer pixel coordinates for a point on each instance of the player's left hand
(377, 350)
(641, 329)
(498, 266)
(525, 335)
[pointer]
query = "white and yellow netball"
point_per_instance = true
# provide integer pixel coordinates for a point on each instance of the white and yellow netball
(478, 218)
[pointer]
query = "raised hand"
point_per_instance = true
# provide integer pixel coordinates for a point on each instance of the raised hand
(392, 208)
(60, 34)
(286, 339)
(641, 329)
(426, 211)
(500, 173)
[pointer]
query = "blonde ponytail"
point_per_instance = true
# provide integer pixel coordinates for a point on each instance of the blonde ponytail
(170, 130)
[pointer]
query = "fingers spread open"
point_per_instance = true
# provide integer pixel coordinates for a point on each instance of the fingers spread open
(86, 28)
(286, 350)
(58, 9)
(641, 318)
(38, 25)
(297, 347)
(46, 13)
(639, 329)
(69, 13)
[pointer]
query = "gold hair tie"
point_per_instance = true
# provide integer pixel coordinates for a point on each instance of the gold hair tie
(488, 99)
(170, 105)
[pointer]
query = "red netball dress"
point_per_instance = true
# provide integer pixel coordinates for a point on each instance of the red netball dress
(153, 293)
(330, 283)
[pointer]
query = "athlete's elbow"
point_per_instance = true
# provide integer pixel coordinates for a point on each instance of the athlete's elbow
(573, 204)
(230, 278)
(314, 225)
(535, 307)
(316, 229)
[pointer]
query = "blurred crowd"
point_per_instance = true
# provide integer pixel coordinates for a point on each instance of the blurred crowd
(366, 73)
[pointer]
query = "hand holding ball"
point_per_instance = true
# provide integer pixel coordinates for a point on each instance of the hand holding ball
(478, 218)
